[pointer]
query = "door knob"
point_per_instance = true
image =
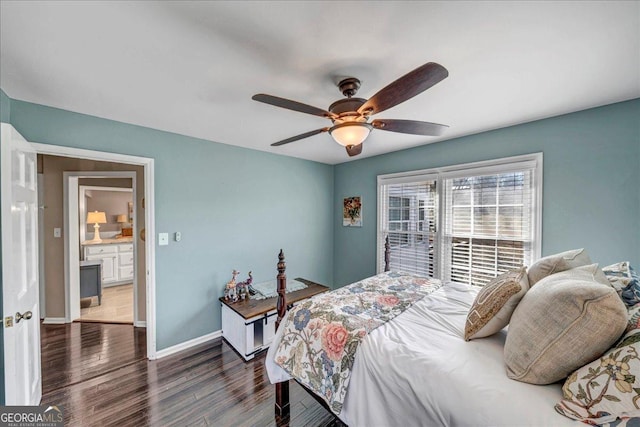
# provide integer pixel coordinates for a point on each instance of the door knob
(26, 316)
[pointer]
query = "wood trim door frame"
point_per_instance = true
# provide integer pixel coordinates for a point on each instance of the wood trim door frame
(149, 212)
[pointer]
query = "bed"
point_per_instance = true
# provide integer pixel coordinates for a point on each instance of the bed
(417, 369)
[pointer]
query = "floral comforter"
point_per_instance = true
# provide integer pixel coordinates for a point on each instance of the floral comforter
(321, 336)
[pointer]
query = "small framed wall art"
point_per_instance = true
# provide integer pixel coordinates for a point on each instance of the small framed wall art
(352, 212)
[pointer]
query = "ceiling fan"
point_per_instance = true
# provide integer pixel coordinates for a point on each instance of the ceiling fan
(350, 116)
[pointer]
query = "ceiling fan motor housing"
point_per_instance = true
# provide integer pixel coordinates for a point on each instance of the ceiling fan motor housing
(347, 110)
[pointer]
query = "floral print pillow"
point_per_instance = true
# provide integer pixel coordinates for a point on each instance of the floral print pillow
(625, 280)
(606, 390)
(634, 318)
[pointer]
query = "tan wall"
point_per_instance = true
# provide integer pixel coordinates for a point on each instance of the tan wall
(52, 168)
(112, 203)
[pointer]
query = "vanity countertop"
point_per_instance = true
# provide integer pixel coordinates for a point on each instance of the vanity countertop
(108, 241)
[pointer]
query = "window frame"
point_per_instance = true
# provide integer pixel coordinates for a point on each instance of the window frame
(532, 161)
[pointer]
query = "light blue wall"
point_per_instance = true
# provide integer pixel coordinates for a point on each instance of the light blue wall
(234, 207)
(5, 107)
(591, 190)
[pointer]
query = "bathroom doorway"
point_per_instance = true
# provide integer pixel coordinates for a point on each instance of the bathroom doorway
(107, 262)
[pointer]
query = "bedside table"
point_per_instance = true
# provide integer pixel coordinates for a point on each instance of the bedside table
(250, 325)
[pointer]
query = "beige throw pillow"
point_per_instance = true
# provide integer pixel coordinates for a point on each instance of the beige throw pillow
(564, 322)
(495, 303)
(556, 263)
(587, 272)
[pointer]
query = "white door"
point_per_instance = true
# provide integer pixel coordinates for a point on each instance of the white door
(20, 289)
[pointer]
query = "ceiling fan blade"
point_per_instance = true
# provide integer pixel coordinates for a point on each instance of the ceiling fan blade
(406, 87)
(410, 126)
(301, 136)
(354, 150)
(292, 105)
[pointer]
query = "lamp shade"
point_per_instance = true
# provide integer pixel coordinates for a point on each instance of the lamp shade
(96, 218)
(350, 133)
(122, 219)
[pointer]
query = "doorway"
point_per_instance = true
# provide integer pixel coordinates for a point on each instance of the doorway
(72, 236)
(108, 288)
(19, 177)
(107, 259)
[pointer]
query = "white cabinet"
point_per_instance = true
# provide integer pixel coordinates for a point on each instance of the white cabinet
(109, 271)
(108, 255)
(248, 336)
(250, 325)
(117, 261)
(125, 262)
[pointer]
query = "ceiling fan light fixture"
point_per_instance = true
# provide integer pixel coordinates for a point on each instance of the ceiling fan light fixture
(350, 133)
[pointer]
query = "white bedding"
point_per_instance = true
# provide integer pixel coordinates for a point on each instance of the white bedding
(417, 370)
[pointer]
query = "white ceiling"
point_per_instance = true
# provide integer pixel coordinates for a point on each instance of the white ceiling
(192, 67)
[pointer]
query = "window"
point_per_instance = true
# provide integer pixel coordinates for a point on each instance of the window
(466, 223)
(399, 219)
(410, 225)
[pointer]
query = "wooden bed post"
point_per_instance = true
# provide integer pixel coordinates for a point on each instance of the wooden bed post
(283, 410)
(387, 253)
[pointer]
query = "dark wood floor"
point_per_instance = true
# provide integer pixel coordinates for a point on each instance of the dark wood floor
(99, 375)
(77, 352)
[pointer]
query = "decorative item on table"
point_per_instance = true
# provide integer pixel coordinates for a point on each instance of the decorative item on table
(230, 293)
(96, 218)
(248, 282)
(130, 211)
(244, 288)
(125, 228)
(352, 212)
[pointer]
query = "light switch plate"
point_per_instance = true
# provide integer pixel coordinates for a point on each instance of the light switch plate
(57, 232)
(163, 239)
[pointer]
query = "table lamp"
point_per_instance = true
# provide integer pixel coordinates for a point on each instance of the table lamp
(96, 218)
(122, 219)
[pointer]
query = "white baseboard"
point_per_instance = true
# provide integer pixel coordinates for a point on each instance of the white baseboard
(114, 284)
(54, 321)
(188, 344)
(140, 324)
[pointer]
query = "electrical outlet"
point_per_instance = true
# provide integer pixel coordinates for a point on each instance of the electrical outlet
(163, 239)
(178, 236)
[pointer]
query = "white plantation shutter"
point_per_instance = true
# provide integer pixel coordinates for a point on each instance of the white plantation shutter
(409, 217)
(487, 225)
(466, 223)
